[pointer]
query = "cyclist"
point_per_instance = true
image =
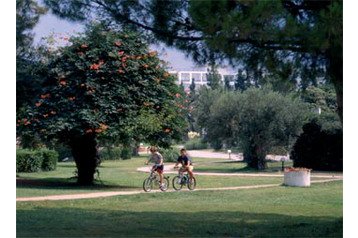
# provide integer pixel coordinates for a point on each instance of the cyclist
(158, 166)
(186, 163)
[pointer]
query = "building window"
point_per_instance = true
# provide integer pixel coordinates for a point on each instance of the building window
(185, 77)
(196, 77)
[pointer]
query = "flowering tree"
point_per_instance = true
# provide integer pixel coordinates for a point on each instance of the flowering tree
(105, 84)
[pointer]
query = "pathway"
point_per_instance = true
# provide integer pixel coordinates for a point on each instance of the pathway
(123, 193)
(169, 168)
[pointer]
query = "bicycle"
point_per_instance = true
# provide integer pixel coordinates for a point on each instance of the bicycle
(154, 179)
(183, 179)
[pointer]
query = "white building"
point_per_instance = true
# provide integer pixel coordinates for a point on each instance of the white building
(199, 76)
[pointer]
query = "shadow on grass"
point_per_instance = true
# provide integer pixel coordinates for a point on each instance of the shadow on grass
(63, 183)
(111, 222)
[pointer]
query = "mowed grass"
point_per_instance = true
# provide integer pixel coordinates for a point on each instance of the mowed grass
(120, 175)
(266, 212)
(228, 166)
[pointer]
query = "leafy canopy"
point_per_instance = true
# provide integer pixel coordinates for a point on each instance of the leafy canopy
(109, 84)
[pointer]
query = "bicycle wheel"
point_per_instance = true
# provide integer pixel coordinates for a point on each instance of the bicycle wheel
(192, 184)
(147, 185)
(177, 184)
(165, 184)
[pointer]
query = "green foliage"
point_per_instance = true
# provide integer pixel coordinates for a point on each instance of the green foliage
(28, 65)
(318, 149)
(63, 151)
(110, 153)
(279, 150)
(100, 86)
(169, 154)
(323, 98)
(28, 160)
(256, 120)
(126, 153)
(213, 77)
(28, 13)
(195, 144)
(50, 158)
(206, 97)
(102, 83)
(35, 160)
(271, 40)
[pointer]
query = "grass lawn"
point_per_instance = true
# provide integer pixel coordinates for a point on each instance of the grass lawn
(236, 166)
(316, 211)
(120, 175)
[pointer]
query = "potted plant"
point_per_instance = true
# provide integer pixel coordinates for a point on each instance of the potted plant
(298, 177)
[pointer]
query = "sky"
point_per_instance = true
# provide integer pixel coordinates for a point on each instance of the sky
(49, 24)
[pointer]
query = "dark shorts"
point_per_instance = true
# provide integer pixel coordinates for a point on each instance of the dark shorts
(158, 168)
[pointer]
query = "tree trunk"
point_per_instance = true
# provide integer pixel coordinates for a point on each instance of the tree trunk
(84, 151)
(255, 159)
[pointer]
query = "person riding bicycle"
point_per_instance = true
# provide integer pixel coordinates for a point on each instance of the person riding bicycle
(158, 166)
(185, 161)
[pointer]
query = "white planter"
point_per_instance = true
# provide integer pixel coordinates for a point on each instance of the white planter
(297, 178)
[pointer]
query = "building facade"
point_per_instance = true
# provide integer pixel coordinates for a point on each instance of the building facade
(199, 76)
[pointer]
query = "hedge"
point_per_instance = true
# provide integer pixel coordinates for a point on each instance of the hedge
(35, 160)
(126, 153)
(50, 158)
(195, 144)
(109, 153)
(318, 149)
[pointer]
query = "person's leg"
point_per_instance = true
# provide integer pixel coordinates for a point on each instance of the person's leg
(160, 172)
(161, 178)
(190, 172)
(181, 171)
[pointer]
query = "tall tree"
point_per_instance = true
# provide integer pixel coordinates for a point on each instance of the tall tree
(213, 77)
(255, 120)
(28, 65)
(105, 84)
(28, 13)
(300, 40)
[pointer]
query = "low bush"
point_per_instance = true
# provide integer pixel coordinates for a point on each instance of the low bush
(196, 144)
(169, 155)
(28, 160)
(318, 149)
(50, 158)
(126, 153)
(110, 153)
(35, 160)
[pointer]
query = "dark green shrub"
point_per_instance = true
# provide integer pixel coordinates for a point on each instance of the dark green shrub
(109, 153)
(196, 144)
(126, 153)
(35, 160)
(28, 160)
(50, 158)
(318, 149)
(170, 154)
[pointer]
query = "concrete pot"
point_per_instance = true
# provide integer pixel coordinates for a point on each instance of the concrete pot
(300, 178)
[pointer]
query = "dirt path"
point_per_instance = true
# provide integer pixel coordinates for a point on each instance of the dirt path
(169, 169)
(124, 193)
